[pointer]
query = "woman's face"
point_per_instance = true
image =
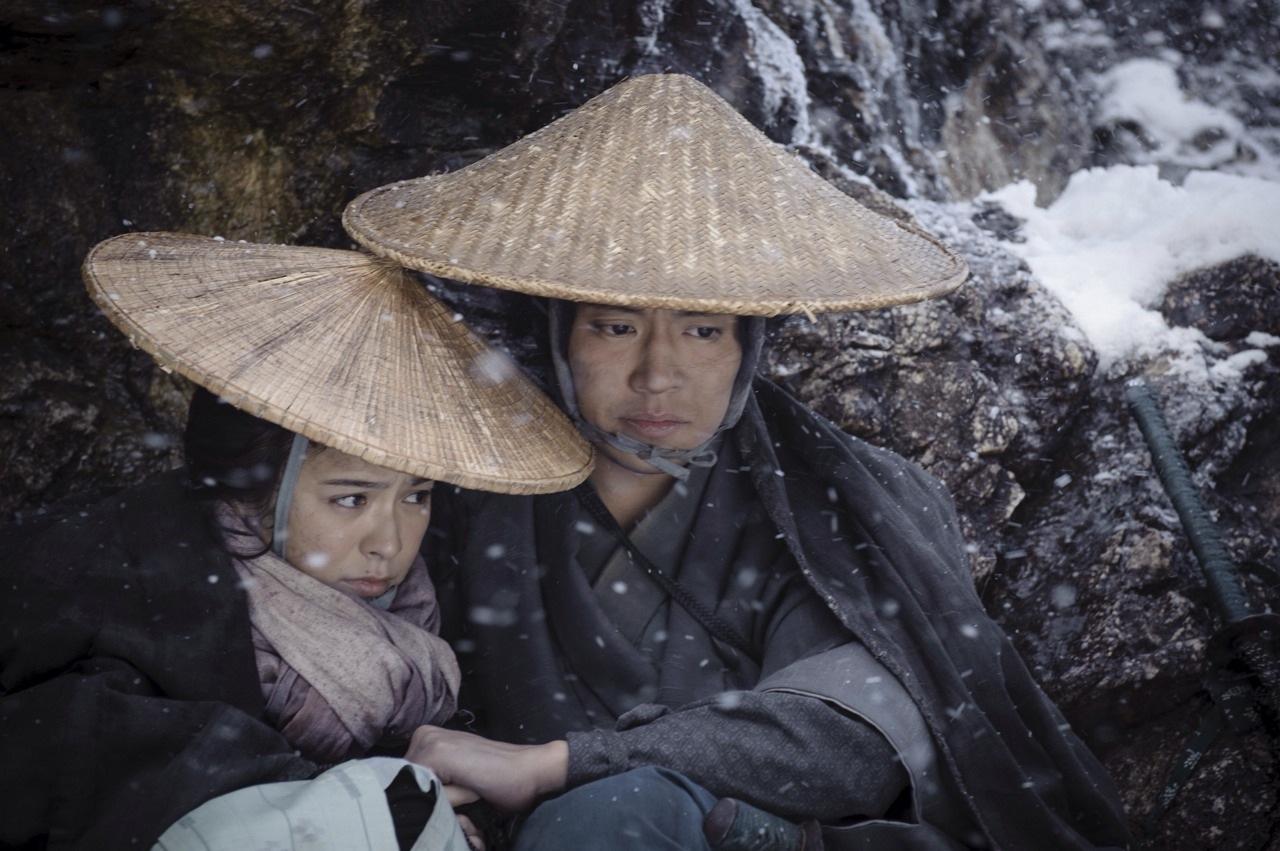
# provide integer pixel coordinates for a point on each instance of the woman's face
(354, 526)
(663, 377)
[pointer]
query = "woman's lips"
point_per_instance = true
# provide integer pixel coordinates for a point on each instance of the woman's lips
(368, 587)
(652, 427)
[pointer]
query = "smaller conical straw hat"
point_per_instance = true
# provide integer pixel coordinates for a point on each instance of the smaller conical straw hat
(656, 193)
(343, 348)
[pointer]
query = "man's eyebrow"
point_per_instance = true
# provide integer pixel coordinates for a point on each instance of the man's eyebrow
(618, 308)
(613, 308)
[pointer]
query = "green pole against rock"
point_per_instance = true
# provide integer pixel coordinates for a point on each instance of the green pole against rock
(1219, 570)
(1248, 636)
(1244, 675)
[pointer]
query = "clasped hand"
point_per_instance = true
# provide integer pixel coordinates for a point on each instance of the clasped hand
(510, 777)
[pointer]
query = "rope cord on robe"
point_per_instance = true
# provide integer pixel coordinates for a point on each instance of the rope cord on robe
(717, 626)
(1244, 671)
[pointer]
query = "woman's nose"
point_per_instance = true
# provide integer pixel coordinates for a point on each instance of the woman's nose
(383, 540)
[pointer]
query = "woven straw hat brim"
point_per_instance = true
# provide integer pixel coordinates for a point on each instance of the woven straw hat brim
(343, 348)
(656, 193)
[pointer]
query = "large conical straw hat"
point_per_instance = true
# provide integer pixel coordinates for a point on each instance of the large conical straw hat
(655, 194)
(343, 348)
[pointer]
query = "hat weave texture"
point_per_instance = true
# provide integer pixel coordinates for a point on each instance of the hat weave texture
(656, 193)
(344, 348)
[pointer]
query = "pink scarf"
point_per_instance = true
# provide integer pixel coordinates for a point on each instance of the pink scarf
(339, 674)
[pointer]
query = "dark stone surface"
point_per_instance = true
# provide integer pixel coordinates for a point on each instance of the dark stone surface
(1077, 549)
(1227, 302)
(979, 386)
(260, 122)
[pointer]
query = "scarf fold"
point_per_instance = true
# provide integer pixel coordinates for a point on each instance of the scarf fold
(338, 673)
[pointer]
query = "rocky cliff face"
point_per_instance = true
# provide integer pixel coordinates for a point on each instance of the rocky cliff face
(229, 118)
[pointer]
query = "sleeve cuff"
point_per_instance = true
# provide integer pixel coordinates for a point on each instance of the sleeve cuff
(594, 754)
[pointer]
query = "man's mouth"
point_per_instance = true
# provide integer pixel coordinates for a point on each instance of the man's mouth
(653, 426)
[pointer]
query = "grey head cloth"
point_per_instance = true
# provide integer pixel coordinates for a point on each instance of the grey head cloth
(673, 462)
(284, 501)
(284, 493)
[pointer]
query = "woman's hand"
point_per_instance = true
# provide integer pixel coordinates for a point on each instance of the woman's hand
(460, 796)
(510, 777)
(471, 832)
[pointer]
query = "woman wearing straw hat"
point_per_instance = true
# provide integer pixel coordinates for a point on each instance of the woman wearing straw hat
(744, 602)
(194, 653)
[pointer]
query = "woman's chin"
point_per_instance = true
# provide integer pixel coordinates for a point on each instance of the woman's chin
(366, 588)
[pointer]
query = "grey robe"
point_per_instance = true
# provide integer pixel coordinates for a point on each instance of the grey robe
(877, 539)
(637, 680)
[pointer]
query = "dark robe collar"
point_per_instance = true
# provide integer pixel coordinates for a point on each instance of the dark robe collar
(630, 599)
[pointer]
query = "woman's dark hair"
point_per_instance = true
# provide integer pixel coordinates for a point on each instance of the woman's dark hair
(232, 456)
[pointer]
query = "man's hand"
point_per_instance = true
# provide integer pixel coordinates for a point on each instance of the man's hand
(510, 777)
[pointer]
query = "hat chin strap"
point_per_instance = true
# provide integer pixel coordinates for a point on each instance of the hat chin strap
(672, 462)
(284, 494)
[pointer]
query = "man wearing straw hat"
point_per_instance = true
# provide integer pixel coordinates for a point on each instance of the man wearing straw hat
(743, 602)
(194, 652)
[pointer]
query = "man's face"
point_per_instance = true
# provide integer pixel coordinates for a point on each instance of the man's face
(662, 377)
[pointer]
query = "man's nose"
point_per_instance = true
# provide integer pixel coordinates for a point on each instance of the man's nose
(658, 369)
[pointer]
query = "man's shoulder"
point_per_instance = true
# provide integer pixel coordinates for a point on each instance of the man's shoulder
(811, 436)
(459, 503)
(460, 517)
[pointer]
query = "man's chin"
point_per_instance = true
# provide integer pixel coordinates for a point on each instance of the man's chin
(628, 462)
(677, 437)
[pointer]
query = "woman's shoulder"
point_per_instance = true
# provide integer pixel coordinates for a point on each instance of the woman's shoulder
(128, 565)
(81, 534)
(89, 508)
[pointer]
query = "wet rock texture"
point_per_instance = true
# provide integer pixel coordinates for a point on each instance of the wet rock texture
(258, 122)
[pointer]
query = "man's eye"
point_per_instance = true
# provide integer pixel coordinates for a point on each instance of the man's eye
(614, 329)
(354, 500)
(706, 332)
(419, 498)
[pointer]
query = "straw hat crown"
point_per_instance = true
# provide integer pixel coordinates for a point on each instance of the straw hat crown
(656, 193)
(343, 348)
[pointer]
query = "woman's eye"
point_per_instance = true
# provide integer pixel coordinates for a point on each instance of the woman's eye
(705, 332)
(354, 500)
(614, 329)
(419, 498)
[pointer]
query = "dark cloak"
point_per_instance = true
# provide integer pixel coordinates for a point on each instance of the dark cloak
(129, 694)
(878, 539)
(909, 598)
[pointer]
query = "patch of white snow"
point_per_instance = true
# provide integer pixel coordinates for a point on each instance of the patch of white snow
(1180, 129)
(1112, 242)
